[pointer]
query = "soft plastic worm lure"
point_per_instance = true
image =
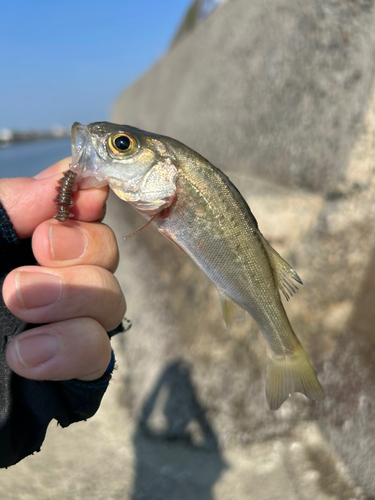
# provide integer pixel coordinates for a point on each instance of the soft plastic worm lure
(63, 201)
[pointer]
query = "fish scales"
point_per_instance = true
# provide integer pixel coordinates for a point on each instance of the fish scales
(228, 248)
(196, 206)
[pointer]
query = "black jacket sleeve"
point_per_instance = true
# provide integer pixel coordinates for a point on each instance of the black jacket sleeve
(28, 406)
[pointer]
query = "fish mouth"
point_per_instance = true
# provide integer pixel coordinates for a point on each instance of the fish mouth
(80, 135)
(86, 162)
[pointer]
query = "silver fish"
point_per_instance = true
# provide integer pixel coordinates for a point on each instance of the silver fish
(195, 205)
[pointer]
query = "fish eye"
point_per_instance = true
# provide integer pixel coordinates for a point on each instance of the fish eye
(121, 144)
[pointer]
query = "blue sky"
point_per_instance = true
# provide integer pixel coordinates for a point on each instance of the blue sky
(66, 61)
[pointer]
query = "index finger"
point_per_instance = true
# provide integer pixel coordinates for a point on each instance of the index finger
(29, 201)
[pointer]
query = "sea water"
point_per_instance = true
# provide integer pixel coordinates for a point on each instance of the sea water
(26, 159)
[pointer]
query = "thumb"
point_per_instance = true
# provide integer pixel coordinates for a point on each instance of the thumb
(29, 201)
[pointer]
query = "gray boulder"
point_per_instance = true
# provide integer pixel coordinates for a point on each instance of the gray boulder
(280, 96)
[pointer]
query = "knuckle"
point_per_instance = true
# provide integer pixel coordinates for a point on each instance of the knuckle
(109, 248)
(109, 303)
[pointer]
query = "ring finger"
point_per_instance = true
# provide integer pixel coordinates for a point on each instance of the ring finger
(75, 348)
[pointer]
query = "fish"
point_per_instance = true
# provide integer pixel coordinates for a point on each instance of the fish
(196, 206)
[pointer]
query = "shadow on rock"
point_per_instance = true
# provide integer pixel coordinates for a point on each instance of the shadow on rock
(177, 453)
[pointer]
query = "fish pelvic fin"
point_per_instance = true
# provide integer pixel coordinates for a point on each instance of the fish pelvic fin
(283, 272)
(288, 374)
(231, 311)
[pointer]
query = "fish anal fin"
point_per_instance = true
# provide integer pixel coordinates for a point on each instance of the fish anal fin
(284, 273)
(289, 374)
(231, 311)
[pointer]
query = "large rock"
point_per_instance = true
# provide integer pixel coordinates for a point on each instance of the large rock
(280, 95)
(275, 88)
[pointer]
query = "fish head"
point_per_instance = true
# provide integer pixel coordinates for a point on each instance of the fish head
(139, 167)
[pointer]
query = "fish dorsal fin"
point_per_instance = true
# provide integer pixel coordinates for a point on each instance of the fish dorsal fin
(231, 311)
(282, 270)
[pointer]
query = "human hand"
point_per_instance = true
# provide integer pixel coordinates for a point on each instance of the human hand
(74, 290)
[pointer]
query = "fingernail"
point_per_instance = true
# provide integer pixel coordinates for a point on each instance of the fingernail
(37, 289)
(67, 242)
(43, 175)
(37, 349)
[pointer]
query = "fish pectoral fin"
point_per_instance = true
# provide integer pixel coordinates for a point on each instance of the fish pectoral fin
(288, 374)
(231, 311)
(153, 219)
(282, 270)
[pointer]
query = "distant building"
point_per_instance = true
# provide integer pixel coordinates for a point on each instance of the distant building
(6, 135)
(59, 131)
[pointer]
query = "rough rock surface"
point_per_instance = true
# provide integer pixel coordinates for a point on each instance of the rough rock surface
(281, 96)
(275, 88)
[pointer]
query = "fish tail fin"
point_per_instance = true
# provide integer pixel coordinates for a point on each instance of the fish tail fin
(288, 374)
